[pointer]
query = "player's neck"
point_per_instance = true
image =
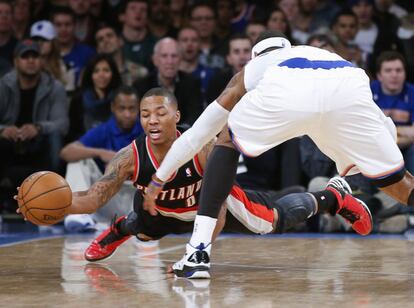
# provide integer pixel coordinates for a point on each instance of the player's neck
(160, 150)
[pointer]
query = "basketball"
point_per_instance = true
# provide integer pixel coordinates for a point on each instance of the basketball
(44, 198)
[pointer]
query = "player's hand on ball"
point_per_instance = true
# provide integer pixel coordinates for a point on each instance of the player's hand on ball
(153, 189)
(18, 208)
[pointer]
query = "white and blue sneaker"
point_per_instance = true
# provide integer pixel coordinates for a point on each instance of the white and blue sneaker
(195, 264)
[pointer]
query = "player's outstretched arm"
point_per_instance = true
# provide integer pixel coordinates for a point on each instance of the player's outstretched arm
(207, 126)
(119, 169)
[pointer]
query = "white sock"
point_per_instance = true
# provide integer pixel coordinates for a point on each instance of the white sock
(203, 230)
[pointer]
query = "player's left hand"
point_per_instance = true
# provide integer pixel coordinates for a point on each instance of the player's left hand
(15, 197)
(153, 189)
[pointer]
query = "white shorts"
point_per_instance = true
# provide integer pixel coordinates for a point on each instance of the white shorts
(333, 107)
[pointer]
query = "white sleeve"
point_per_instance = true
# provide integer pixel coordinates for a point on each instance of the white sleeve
(207, 126)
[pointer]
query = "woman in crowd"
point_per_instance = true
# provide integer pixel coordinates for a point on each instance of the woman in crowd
(277, 21)
(91, 105)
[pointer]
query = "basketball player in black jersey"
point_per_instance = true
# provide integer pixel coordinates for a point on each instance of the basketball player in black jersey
(243, 211)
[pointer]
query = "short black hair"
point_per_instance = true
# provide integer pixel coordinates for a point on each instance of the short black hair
(124, 5)
(236, 36)
(62, 10)
(125, 90)
(389, 55)
(161, 92)
(343, 12)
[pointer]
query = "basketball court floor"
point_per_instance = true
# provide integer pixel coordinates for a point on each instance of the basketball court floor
(293, 270)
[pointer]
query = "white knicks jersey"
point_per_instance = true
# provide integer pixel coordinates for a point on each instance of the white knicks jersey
(257, 67)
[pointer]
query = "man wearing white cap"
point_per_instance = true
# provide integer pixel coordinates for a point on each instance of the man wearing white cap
(44, 33)
(282, 93)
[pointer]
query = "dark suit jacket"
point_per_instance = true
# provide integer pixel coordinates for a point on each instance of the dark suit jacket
(218, 83)
(187, 90)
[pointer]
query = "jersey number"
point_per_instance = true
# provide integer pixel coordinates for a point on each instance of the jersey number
(190, 201)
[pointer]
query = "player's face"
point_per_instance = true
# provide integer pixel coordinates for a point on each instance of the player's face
(125, 109)
(346, 28)
(101, 75)
(159, 119)
(189, 44)
(239, 53)
(392, 76)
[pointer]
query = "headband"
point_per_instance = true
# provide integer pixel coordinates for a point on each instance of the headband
(280, 42)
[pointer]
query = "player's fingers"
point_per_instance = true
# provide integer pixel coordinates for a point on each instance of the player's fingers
(169, 269)
(18, 210)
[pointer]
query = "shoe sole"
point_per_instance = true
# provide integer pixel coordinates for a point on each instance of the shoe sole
(200, 272)
(104, 258)
(370, 216)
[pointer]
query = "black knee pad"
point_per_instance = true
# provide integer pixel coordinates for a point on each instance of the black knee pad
(293, 209)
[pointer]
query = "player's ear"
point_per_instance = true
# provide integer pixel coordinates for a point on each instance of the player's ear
(177, 116)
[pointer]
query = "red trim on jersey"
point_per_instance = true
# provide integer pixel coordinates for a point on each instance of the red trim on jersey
(136, 165)
(254, 208)
(178, 210)
(346, 170)
(154, 160)
(197, 165)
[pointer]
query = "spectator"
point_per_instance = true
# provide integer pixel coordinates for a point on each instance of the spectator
(390, 7)
(91, 105)
(321, 41)
(291, 10)
(138, 41)
(7, 39)
(186, 88)
(239, 53)
(85, 24)
(373, 36)
(225, 13)
(74, 54)
(203, 19)
(277, 21)
(189, 45)
(243, 11)
(179, 12)
(88, 156)
(345, 27)
(21, 18)
(254, 29)
(109, 42)
(395, 97)
(43, 33)
(160, 21)
(33, 117)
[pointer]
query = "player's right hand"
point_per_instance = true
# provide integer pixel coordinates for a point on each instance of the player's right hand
(150, 195)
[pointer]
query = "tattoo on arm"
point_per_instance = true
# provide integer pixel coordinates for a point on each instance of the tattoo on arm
(233, 91)
(119, 169)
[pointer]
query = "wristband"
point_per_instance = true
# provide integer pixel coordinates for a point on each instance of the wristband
(156, 184)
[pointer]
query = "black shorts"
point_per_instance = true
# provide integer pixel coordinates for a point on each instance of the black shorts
(248, 212)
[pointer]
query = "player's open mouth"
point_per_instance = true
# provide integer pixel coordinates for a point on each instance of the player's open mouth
(155, 134)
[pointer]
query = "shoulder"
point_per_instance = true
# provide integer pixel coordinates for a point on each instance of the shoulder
(375, 85)
(410, 89)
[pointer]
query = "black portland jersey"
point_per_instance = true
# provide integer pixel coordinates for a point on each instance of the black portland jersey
(179, 198)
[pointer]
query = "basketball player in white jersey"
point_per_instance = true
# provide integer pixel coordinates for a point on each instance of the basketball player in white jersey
(282, 93)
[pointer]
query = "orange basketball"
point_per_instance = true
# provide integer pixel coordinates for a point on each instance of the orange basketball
(44, 198)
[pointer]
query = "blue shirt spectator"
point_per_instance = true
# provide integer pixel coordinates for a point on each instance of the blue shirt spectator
(77, 58)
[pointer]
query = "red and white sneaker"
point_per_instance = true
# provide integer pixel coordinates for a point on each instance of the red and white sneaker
(355, 211)
(106, 243)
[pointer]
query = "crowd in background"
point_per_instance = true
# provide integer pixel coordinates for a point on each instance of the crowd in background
(72, 73)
